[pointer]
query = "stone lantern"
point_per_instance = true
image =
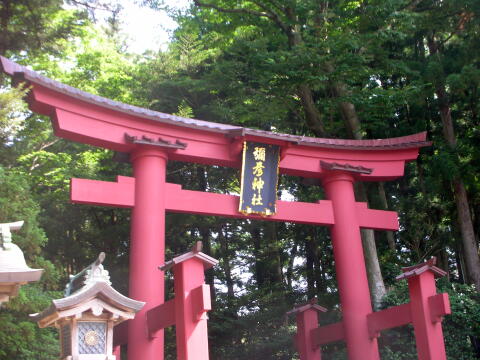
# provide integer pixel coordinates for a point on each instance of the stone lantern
(87, 314)
(14, 271)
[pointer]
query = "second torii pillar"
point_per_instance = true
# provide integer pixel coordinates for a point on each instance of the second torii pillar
(350, 266)
(147, 248)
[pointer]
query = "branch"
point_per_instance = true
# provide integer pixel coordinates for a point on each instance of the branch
(92, 8)
(268, 13)
(465, 18)
(231, 11)
(444, 41)
(85, 4)
(274, 17)
(43, 146)
(412, 5)
(277, 4)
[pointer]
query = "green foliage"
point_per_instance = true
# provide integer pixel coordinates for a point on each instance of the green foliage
(33, 26)
(258, 333)
(11, 108)
(244, 69)
(16, 204)
(12, 114)
(20, 338)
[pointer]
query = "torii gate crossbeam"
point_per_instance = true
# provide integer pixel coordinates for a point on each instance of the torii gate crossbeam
(151, 139)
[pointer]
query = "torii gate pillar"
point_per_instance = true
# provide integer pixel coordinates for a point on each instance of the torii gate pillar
(147, 248)
(350, 267)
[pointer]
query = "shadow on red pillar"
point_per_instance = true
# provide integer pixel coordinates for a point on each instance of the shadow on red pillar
(307, 321)
(188, 310)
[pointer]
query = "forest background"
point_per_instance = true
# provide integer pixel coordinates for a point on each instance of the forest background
(342, 69)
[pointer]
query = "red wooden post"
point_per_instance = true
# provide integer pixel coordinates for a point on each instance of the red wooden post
(192, 302)
(192, 333)
(147, 249)
(427, 308)
(307, 321)
(350, 267)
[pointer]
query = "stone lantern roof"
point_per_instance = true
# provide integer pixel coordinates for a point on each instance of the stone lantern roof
(90, 291)
(14, 271)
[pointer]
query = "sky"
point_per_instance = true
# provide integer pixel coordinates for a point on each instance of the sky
(148, 29)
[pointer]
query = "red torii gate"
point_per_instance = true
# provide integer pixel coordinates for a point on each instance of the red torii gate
(152, 139)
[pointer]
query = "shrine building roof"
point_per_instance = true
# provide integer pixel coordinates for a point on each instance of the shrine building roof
(89, 291)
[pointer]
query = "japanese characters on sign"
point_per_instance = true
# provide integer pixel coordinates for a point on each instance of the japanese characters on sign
(258, 193)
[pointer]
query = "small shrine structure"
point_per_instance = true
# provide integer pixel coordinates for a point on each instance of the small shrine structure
(87, 314)
(14, 271)
(149, 139)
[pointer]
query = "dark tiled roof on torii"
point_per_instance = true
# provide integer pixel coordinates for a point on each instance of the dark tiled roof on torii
(21, 73)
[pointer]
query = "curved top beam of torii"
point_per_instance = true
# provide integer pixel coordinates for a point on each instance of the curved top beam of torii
(94, 120)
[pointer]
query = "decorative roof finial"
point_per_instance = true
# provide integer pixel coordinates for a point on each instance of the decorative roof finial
(90, 275)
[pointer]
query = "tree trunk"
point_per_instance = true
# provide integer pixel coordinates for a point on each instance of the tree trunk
(291, 262)
(257, 252)
(274, 265)
(223, 237)
(317, 265)
(383, 199)
(460, 264)
(310, 270)
(207, 249)
(470, 254)
(442, 261)
(374, 273)
(352, 124)
(201, 174)
(313, 117)
(470, 247)
(348, 111)
(315, 122)
(5, 15)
